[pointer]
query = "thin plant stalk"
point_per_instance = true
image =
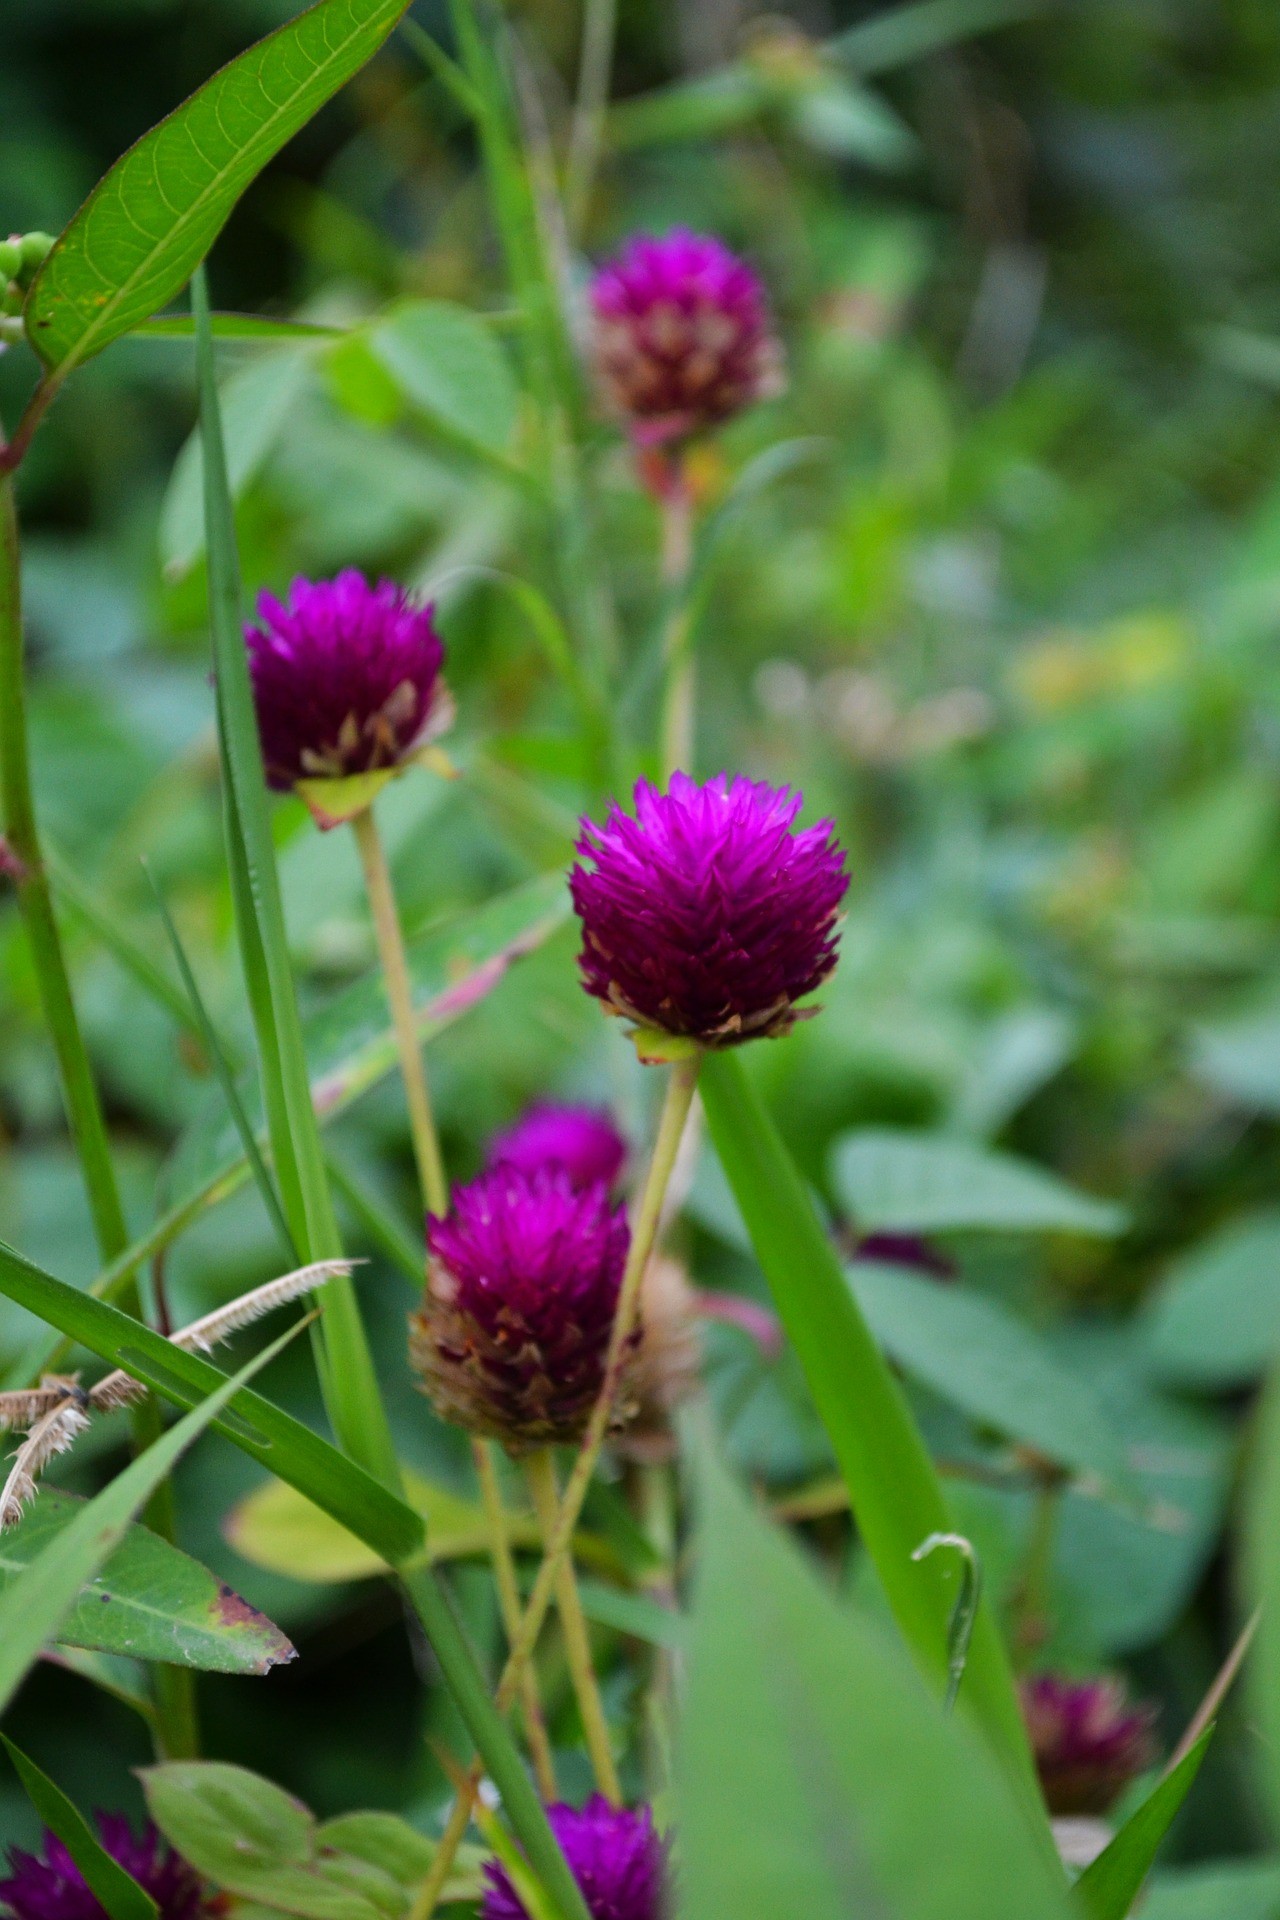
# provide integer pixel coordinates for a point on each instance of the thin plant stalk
(679, 683)
(1219, 1687)
(395, 974)
(540, 1471)
(595, 68)
(504, 1572)
(682, 1084)
(174, 1688)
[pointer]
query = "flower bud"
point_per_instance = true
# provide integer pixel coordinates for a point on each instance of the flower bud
(523, 1278)
(615, 1854)
(681, 336)
(50, 1886)
(581, 1140)
(706, 915)
(346, 681)
(1089, 1741)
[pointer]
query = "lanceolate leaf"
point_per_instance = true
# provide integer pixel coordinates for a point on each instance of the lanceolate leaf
(149, 1600)
(147, 225)
(1108, 1888)
(115, 1889)
(34, 1606)
(893, 1489)
(896, 1181)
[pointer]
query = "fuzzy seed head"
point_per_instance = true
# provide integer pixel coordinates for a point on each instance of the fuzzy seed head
(346, 678)
(523, 1278)
(681, 336)
(706, 914)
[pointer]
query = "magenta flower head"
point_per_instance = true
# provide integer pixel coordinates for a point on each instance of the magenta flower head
(581, 1140)
(346, 679)
(50, 1886)
(1088, 1738)
(522, 1285)
(616, 1856)
(707, 915)
(681, 336)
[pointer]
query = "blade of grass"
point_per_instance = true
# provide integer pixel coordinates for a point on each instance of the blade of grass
(33, 1607)
(343, 1489)
(893, 1488)
(1108, 1888)
(347, 1377)
(105, 1878)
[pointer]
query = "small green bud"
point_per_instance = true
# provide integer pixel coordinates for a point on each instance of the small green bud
(10, 259)
(11, 299)
(34, 248)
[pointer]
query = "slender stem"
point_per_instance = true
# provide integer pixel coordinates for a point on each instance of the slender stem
(504, 1573)
(174, 1687)
(540, 1470)
(658, 1518)
(681, 1087)
(679, 691)
(595, 66)
(395, 975)
(1030, 1600)
(1219, 1687)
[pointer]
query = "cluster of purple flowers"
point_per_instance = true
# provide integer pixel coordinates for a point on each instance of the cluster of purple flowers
(616, 1856)
(50, 1886)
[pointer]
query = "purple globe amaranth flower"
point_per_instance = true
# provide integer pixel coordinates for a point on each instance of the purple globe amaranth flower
(581, 1140)
(50, 1886)
(1088, 1738)
(346, 678)
(523, 1279)
(707, 915)
(681, 336)
(616, 1855)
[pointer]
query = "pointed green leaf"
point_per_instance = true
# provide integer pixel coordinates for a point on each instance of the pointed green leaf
(149, 1601)
(817, 1776)
(107, 1880)
(933, 1183)
(1108, 1888)
(447, 362)
(893, 1488)
(151, 220)
(35, 1604)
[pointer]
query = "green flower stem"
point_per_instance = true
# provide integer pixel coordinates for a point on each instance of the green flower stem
(540, 1470)
(504, 1573)
(681, 1087)
(395, 974)
(595, 65)
(679, 683)
(174, 1687)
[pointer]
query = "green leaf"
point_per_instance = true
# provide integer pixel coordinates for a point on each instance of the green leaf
(262, 327)
(816, 1775)
(151, 220)
(33, 1607)
(384, 1840)
(1223, 1890)
(114, 1888)
(1261, 1554)
(1240, 1059)
(255, 1841)
(1108, 1888)
(1215, 1319)
(932, 1183)
(893, 1489)
(279, 1442)
(992, 1366)
(447, 362)
(256, 402)
(149, 1601)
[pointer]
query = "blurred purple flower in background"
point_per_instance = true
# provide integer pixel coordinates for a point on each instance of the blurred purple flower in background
(50, 1886)
(582, 1140)
(1088, 1738)
(615, 1854)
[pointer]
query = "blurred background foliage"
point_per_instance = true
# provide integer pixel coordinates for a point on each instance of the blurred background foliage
(1007, 608)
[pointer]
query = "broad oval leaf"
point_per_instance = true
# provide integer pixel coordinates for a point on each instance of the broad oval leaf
(1215, 1321)
(817, 1775)
(151, 220)
(445, 360)
(149, 1601)
(1240, 1059)
(998, 1371)
(933, 1183)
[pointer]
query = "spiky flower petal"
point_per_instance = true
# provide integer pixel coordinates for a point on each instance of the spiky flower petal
(523, 1279)
(346, 678)
(50, 1886)
(1088, 1738)
(681, 336)
(707, 915)
(615, 1854)
(581, 1140)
